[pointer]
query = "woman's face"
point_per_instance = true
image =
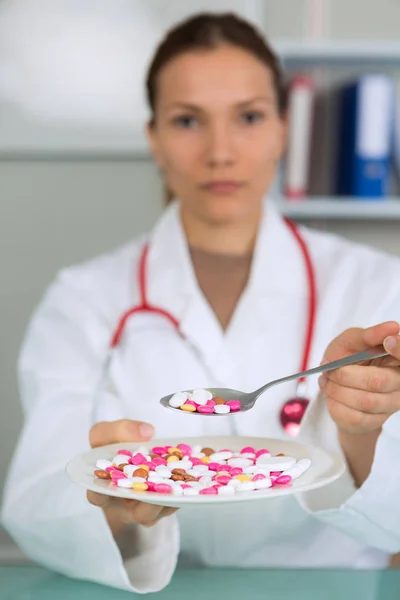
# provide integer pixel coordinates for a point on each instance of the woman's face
(218, 134)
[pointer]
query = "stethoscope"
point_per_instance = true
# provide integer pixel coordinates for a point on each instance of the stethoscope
(293, 410)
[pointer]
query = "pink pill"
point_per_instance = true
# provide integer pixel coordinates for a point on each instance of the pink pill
(159, 450)
(208, 491)
(192, 404)
(211, 403)
(225, 450)
(206, 410)
(162, 488)
(226, 468)
(223, 479)
(112, 469)
(213, 466)
(159, 461)
(151, 465)
(261, 452)
(138, 459)
(236, 471)
(184, 486)
(247, 450)
(283, 479)
(125, 452)
(167, 448)
(117, 475)
(150, 486)
(196, 461)
(234, 405)
(275, 473)
(185, 449)
(259, 477)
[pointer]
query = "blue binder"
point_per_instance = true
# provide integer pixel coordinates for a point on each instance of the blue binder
(364, 140)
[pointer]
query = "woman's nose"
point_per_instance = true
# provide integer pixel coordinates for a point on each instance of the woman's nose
(220, 147)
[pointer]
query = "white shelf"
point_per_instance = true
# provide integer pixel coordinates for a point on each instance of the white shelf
(337, 51)
(346, 208)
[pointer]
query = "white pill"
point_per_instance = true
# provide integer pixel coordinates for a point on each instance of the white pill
(263, 484)
(191, 491)
(294, 472)
(178, 399)
(154, 478)
(246, 486)
(205, 481)
(276, 463)
(120, 459)
(125, 483)
(240, 462)
(196, 449)
(143, 450)
(222, 409)
(185, 464)
(262, 471)
(226, 490)
(177, 491)
(251, 469)
(220, 456)
(163, 471)
(129, 470)
(234, 483)
(103, 464)
(198, 454)
(201, 468)
(248, 455)
(200, 396)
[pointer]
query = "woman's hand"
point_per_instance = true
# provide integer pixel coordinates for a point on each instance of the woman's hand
(119, 511)
(361, 397)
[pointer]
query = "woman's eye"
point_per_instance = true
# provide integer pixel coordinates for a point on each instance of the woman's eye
(252, 116)
(186, 121)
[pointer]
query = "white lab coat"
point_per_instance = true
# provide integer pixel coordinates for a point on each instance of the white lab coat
(60, 365)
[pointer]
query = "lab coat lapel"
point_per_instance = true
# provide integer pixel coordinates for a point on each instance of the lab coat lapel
(172, 285)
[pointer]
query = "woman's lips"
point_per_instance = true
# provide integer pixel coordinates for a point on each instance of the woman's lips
(222, 186)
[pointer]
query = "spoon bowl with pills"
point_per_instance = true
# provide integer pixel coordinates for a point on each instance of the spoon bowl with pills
(217, 402)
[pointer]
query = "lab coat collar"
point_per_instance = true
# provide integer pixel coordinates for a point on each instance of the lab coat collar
(277, 269)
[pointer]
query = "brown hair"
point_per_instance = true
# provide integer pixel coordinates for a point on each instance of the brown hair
(208, 31)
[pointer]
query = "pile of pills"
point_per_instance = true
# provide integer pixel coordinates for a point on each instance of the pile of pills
(202, 401)
(192, 471)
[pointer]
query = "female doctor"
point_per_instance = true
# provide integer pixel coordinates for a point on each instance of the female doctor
(224, 292)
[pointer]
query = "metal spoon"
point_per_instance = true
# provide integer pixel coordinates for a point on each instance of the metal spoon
(248, 400)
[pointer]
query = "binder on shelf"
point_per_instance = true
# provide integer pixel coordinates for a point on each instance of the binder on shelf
(297, 160)
(364, 141)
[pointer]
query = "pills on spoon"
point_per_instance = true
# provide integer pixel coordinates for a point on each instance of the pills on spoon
(223, 472)
(203, 402)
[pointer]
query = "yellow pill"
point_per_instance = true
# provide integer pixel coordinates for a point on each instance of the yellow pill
(242, 478)
(172, 459)
(140, 487)
(188, 407)
(205, 460)
(222, 473)
(173, 450)
(144, 467)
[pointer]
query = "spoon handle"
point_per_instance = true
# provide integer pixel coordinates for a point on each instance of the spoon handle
(352, 359)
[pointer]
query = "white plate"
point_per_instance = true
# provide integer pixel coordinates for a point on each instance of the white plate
(325, 468)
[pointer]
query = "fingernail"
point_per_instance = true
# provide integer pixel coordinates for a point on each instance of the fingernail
(322, 381)
(390, 343)
(146, 430)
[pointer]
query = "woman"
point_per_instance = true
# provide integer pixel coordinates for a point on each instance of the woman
(234, 279)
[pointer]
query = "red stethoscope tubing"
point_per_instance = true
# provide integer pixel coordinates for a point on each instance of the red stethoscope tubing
(144, 306)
